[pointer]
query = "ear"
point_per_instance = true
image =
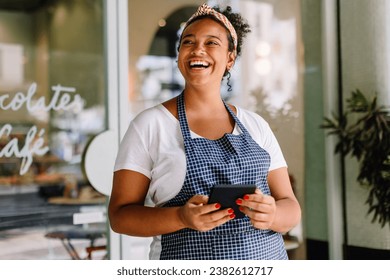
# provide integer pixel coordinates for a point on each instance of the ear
(231, 60)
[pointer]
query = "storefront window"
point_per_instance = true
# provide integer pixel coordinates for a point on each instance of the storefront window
(52, 103)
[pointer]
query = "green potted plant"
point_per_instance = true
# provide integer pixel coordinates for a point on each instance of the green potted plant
(364, 133)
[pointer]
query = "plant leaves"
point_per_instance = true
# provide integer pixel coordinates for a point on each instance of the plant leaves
(364, 132)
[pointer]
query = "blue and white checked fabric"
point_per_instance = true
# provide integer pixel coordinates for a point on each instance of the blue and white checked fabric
(232, 159)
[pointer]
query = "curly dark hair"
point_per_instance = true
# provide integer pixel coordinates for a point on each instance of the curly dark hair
(239, 23)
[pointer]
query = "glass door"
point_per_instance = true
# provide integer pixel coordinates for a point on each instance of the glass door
(52, 104)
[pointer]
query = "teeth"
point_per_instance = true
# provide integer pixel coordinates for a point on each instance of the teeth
(199, 63)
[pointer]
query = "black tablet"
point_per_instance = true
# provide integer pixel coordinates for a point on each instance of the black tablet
(226, 195)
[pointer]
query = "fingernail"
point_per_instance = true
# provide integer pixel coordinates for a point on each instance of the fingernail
(239, 201)
(232, 216)
(217, 205)
(230, 211)
(246, 197)
(241, 208)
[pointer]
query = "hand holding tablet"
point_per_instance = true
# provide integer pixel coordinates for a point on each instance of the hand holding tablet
(226, 195)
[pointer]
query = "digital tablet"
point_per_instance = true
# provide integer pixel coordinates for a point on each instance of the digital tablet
(226, 195)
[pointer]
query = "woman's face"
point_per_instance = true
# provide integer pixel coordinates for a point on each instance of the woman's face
(203, 53)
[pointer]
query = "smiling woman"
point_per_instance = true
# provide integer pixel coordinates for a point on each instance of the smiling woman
(174, 153)
(205, 52)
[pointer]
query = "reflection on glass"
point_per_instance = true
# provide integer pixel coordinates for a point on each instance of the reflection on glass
(160, 78)
(52, 96)
(275, 61)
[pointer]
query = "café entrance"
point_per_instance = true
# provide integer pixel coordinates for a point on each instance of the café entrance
(53, 104)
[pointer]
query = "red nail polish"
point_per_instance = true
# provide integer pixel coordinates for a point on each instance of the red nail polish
(239, 201)
(246, 197)
(232, 216)
(217, 205)
(230, 211)
(241, 208)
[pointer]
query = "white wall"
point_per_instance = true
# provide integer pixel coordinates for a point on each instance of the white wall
(365, 43)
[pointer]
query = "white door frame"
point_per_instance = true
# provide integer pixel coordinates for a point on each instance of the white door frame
(116, 41)
(333, 163)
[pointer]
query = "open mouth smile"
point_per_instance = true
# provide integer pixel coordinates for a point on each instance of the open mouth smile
(198, 64)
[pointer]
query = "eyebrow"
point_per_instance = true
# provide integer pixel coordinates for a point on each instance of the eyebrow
(208, 36)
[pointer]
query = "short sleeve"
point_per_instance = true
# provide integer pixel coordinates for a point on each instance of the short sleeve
(262, 133)
(271, 145)
(133, 152)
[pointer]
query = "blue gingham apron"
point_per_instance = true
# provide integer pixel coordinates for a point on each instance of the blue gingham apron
(232, 159)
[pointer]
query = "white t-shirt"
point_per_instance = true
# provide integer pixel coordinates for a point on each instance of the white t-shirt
(153, 145)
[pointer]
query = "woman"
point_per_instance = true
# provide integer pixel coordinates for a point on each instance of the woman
(177, 151)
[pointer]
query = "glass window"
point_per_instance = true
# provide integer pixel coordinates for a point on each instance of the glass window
(52, 103)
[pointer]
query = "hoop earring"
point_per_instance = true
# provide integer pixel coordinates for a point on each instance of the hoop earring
(228, 81)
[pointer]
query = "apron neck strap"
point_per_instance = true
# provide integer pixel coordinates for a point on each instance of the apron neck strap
(238, 122)
(181, 110)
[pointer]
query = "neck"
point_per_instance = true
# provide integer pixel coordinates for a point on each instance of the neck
(203, 100)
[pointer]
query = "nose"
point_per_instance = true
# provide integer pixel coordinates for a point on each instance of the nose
(197, 49)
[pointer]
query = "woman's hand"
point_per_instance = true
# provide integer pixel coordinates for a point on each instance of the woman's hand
(260, 208)
(197, 214)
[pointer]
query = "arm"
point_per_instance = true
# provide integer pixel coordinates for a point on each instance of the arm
(128, 215)
(279, 212)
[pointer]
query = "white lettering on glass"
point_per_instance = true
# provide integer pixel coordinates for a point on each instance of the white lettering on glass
(60, 100)
(34, 143)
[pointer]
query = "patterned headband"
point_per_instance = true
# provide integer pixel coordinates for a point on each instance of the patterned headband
(207, 10)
